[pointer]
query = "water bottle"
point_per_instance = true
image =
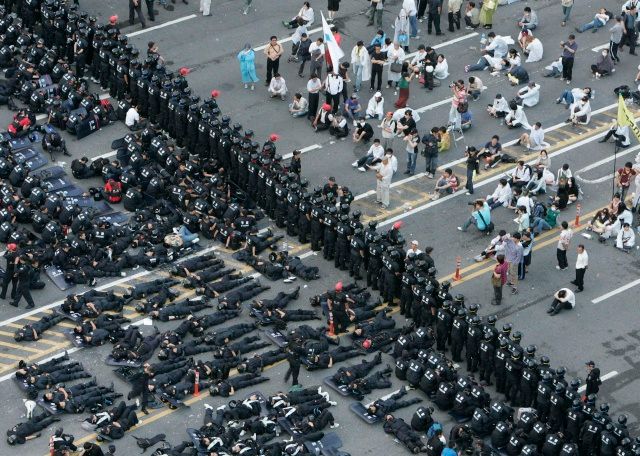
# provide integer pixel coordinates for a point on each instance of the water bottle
(483, 39)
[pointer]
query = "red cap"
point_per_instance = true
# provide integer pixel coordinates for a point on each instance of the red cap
(339, 286)
(326, 107)
(12, 247)
(397, 225)
(184, 71)
(113, 19)
(273, 137)
(215, 93)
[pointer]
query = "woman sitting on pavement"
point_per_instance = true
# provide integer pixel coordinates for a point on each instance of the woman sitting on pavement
(604, 65)
(307, 15)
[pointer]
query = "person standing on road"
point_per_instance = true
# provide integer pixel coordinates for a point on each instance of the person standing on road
(569, 49)
(615, 38)
(384, 173)
(435, 10)
(314, 85)
(486, 13)
(360, 64)
(136, 8)
(273, 51)
(293, 358)
(593, 380)
(247, 59)
(388, 127)
(378, 58)
(375, 12)
(25, 272)
(412, 140)
(563, 245)
(566, 11)
(498, 279)
(629, 26)
(10, 256)
(410, 8)
(151, 14)
(582, 263)
(454, 15)
(514, 253)
(332, 6)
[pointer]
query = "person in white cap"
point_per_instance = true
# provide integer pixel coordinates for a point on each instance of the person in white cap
(375, 107)
(414, 250)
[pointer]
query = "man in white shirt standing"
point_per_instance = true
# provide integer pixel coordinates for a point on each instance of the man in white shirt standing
(388, 127)
(317, 50)
(562, 299)
(133, 119)
(582, 262)
(333, 85)
(384, 173)
(278, 87)
(373, 157)
(414, 250)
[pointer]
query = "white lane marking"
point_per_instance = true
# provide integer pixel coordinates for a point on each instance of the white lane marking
(601, 162)
(284, 40)
(6, 377)
(104, 287)
(482, 183)
(617, 291)
(441, 45)
(606, 376)
(462, 160)
(102, 96)
(601, 47)
(303, 150)
(163, 25)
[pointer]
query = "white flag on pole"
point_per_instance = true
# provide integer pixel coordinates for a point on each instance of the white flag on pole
(332, 46)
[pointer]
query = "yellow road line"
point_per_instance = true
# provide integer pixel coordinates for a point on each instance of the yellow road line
(19, 347)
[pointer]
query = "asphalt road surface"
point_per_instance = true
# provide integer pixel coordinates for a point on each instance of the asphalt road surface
(603, 326)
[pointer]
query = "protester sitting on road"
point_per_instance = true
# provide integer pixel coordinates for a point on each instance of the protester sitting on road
(278, 87)
(306, 13)
(372, 157)
(530, 95)
(534, 139)
(447, 184)
(604, 65)
(299, 107)
(626, 238)
(580, 112)
(480, 217)
(516, 117)
(375, 107)
(499, 107)
(491, 153)
(562, 299)
(569, 96)
(620, 133)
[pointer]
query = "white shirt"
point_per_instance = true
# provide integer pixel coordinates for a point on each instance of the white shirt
(626, 239)
(132, 117)
(388, 128)
(307, 14)
(410, 7)
(499, 47)
(386, 171)
(537, 137)
(376, 151)
(502, 194)
(394, 163)
(570, 297)
(536, 51)
(412, 252)
(522, 173)
(530, 95)
(315, 46)
(375, 108)
(314, 85)
(297, 35)
(359, 55)
(418, 58)
(278, 85)
(334, 83)
(582, 260)
(526, 202)
(565, 239)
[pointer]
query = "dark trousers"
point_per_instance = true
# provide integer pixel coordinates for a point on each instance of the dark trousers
(24, 292)
(422, 7)
(152, 16)
(497, 295)
(613, 48)
(562, 258)
(469, 183)
(629, 39)
(376, 71)
(334, 101)
(9, 279)
(468, 23)
(272, 68)
(579, 282)
(303, 61)
(567, 68)
(454, 19)
(136, 9)
(435, 20)
(313, 104)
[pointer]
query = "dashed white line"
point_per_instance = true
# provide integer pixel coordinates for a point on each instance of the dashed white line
(163, 25)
